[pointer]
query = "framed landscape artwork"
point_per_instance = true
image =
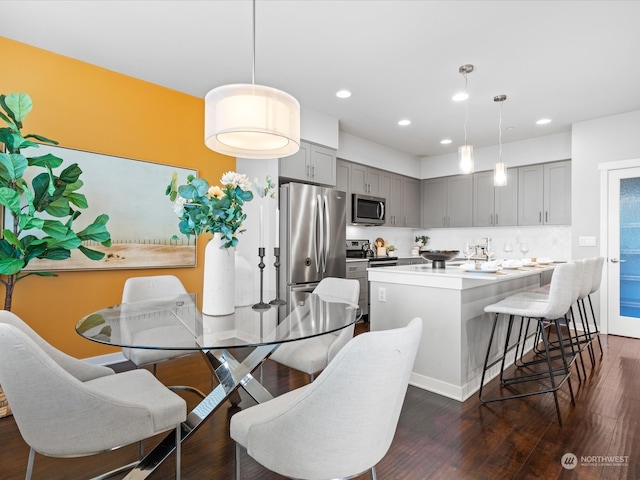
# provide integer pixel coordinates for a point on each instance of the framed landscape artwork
(142, 222)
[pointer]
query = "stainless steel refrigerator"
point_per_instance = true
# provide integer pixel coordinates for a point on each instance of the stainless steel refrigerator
(313, 223)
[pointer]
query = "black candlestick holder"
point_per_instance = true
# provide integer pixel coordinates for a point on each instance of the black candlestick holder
(261, 305)
(276, 264)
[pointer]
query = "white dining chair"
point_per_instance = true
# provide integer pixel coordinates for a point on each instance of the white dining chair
(150, 288)
(64, 407)
(343, 423)
(314, 354)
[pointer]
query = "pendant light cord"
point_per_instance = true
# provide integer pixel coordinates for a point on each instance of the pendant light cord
(253, 69)
(466, 108)
(500, 133)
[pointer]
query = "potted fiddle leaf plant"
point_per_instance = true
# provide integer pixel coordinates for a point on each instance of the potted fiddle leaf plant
(38, 214)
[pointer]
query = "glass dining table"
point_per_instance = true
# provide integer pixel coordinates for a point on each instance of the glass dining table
(176, 323)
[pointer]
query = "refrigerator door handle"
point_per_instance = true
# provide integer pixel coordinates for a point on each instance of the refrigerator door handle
(327, 242)
(319, 234)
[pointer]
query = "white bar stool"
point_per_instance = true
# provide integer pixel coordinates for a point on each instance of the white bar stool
(546, 312)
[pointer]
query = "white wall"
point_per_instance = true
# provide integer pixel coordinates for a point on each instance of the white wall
(356, 149)
(597, 141)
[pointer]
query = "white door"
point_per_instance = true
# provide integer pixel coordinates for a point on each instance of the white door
(623, 256)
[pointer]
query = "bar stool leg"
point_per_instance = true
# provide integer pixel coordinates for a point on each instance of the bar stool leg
(545, 341)
(595, 324)
(486, 358)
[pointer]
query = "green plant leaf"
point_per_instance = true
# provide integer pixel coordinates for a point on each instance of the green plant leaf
(55, 229)
(19, 105)
(70, 174)
(90, 253)
(56, 254)
(12, 239)
(34, 250)
(46, 161)
(67, 242)
(78, 199)
(10, 199)
(97, 231)
(40, 138)
(59, 208)
(15, 163)
(27, 222)
(11, 266)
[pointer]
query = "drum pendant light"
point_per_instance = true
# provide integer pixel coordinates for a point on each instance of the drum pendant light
(500, 170)
(251, 121)
(466, 151)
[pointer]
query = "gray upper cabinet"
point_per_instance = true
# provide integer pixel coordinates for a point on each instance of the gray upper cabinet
(544, 194)
(402, 194)
(495, 206)
(403, 204)
(370, 181)
(311, 164)
(447, 201)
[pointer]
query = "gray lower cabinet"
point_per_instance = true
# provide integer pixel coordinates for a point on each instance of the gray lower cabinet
(495, 206)
(357, 270)
(544, 194)
(447, 201)
(311, 164)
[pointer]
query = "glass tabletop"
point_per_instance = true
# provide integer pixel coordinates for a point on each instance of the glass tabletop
(175, 323)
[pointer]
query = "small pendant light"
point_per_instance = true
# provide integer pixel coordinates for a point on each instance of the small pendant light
(466, 151)
(500, 170)
(251, 121)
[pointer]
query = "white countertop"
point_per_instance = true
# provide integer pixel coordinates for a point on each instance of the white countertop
(451, 277)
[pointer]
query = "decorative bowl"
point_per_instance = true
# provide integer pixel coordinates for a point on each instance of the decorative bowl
(439, 257)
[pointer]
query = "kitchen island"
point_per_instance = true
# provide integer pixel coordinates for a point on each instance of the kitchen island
(451, 304)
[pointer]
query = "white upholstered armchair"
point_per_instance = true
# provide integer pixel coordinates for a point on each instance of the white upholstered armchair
(89, 409)
(343, 423)
(314, 354)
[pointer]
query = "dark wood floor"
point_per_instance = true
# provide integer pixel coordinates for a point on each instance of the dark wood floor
(437, 438)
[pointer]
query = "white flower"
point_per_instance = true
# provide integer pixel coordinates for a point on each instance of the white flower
(236, 180)
(178, 205)
(267, 188)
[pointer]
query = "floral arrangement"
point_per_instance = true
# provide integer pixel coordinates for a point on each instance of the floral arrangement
(214, 209)
(268, 189)
(422, 240)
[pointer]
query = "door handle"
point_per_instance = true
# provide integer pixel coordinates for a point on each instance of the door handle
(615, 260)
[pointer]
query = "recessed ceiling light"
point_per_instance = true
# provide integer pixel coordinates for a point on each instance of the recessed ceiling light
(460, 97)
(404, 123)
(543, 121)
(343, 94)
(445, 141)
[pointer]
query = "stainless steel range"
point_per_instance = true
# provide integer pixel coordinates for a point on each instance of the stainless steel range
(365, 249)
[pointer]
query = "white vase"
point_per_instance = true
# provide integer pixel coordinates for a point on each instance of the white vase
(218, 297)
(244, 281)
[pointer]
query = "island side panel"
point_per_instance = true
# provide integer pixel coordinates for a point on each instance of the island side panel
(456, 329)
(437, 367)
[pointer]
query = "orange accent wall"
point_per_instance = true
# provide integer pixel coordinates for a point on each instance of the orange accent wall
(86, 107)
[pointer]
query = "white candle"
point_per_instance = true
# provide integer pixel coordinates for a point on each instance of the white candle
(277, 243)
(261, 231)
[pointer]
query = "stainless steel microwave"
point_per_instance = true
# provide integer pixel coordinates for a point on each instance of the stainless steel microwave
(367, 210)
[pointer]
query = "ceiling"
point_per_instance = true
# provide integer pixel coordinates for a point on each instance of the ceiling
(569, 61)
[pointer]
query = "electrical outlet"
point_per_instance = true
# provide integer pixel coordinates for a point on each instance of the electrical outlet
(382, 294)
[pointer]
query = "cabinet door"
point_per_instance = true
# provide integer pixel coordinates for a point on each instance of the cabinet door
(530, 195)
(374, 182)
(359, 179)
(343, 182)
(411, 202)
(506, 200)
(323, 165)
(557, 193)
(483, 199)
(297, 166)
(460, 201)
(434, 202)
(395, 203)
